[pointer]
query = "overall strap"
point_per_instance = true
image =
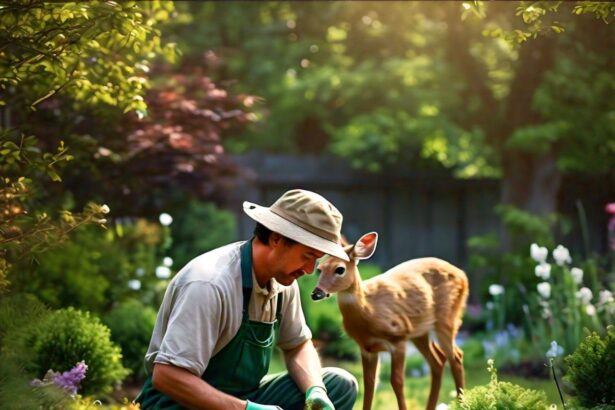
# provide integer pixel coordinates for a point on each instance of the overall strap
(246, 275)
(278, 310)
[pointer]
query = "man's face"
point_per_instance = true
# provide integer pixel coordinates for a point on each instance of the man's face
(289, 262)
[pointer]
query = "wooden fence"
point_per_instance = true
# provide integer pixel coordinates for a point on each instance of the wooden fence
(416, 214)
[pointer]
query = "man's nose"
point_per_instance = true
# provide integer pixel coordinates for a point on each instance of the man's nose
(309, 267)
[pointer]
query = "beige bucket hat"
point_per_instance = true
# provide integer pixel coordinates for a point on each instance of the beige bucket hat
(305, 217)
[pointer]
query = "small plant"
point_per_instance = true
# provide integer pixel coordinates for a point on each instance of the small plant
(500, 395)
(69, 336)
(591, 370)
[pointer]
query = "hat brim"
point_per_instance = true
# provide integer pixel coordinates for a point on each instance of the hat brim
(288, 229)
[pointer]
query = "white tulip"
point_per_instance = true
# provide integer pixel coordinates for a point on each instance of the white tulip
(555, 350)
(605, 297)
(165, 219)
(134, 284)
(167, 261)
(561, 255)
(495, 289)
(163, 272)
(543, 271)
(538, 253)
(585, 294)
(544, 288)
(577, 275)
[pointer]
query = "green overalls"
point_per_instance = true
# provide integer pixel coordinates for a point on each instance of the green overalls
(240, 366)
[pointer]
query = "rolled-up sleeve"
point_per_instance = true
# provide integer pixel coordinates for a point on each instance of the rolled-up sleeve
(293, 329)
(194, 327)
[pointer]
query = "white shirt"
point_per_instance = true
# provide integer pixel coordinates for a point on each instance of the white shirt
(202, 310)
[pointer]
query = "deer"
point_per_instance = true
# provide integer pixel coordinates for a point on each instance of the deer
(405, 303)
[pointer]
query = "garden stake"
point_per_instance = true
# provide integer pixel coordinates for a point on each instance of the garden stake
(561, 397)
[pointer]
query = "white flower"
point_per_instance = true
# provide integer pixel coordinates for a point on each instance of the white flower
(544, 288)
(605, 297)
(167, 261)
(543, 271)
(165, 219)
(561, 255)
(577, 275)
(134, 284)
(495, 289)
(102, 221)
(105, 209)
(442, 406)
(555, 350)
(163, 272)
(590, 310)
(585, 294)
(539, 254)
(140, 272)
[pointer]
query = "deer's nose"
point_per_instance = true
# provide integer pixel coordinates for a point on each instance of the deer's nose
(318, 294)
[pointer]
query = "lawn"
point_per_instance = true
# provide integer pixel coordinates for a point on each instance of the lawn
(417, 388)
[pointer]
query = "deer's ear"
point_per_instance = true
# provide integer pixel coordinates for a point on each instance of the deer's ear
(365, 246)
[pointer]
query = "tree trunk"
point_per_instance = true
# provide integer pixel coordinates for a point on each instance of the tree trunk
(530, 181)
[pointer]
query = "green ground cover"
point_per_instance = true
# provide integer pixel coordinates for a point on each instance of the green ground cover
(417, 388)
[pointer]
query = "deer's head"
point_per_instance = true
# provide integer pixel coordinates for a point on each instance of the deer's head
(337, 275)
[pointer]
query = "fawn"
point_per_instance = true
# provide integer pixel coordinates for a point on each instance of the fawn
(404, 303)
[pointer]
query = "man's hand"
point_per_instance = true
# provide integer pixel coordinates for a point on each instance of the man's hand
(256, 406)
(316, 399)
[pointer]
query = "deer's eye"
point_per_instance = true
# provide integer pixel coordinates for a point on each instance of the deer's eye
(340, 270)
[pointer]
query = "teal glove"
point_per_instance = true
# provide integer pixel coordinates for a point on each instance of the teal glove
(256, 406)
(316, 399)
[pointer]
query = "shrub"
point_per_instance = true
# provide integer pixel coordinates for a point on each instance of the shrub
(69, 336)
(131, 325)
(198, 228)
(591, 370)
(498, 395)
(15, 390)
(95, 267)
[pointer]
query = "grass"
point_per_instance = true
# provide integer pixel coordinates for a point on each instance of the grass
(416, 389)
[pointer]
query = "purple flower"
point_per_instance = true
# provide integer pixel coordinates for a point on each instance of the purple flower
(70, 380)
(67, 381)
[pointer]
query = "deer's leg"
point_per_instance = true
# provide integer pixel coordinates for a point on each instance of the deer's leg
(446, 337)
(398, 361)
(435, 360)
(370, 366)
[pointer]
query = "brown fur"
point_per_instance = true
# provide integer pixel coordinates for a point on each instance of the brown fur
(404, 303)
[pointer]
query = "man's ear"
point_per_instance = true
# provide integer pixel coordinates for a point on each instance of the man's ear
(275, 239)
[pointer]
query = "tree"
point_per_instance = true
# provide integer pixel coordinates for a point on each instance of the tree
(519, 91)
(85, 53)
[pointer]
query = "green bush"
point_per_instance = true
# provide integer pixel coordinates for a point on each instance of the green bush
(498, 395)
(94, 268)
(15, 389)
(591, 370)
(199, 228)
(69, 336)
(131, 325)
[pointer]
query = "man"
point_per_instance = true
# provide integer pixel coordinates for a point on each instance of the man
(225, 311)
